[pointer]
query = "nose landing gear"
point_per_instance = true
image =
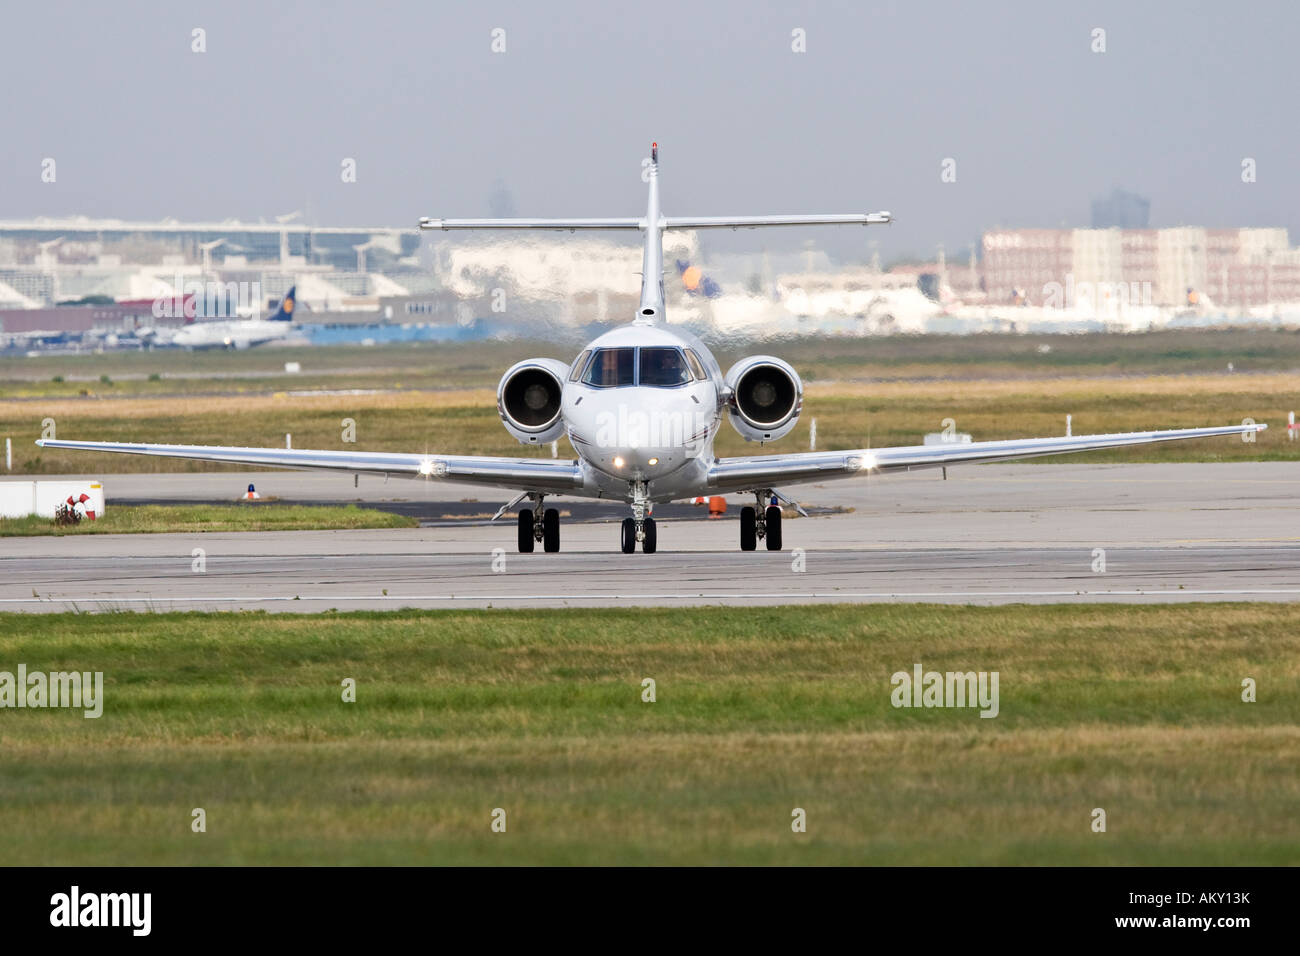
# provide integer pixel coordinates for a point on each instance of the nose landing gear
(647, 534)
(761, 523)
(640, 527)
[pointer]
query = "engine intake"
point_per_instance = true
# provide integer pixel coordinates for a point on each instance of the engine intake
(766, 397)
(528, 400)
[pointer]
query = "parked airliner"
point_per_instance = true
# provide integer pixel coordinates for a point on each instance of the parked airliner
(239, 333)
(641, 406)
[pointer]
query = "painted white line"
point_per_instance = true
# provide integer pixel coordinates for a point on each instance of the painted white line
(667, 596)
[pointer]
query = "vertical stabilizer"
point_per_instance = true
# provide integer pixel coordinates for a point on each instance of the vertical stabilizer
(285, 312)
(651, 309)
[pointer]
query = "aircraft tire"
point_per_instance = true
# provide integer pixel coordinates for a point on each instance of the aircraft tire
(748, 529)
(773, 529)
(526, 531)
(551, 530)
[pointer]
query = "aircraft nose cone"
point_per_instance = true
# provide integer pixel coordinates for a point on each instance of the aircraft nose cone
(645, 462)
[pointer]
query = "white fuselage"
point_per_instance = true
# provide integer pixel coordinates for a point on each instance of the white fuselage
(662, 435)
(234, 333)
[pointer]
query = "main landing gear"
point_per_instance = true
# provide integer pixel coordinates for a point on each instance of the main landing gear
(761, 523)
(640, 527)
(538, 524)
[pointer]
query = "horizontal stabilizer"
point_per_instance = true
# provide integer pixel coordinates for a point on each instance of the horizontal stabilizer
(752, 222)
(665, 222)
(559, 225)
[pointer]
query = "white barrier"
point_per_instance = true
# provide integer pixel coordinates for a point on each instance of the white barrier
(19, 499)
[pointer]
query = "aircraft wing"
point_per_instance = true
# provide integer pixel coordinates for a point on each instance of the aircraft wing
(770, 471)
(521, 474)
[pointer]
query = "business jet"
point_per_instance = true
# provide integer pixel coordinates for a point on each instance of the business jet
(239, 333)
(641, 406)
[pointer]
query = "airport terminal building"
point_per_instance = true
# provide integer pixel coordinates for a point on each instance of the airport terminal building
(47, 261)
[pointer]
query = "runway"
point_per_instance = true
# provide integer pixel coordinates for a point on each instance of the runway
(992, 534)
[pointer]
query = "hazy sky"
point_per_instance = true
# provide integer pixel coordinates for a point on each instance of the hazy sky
(141, 127)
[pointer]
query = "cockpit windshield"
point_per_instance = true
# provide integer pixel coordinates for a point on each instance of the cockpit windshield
(611, 368)
(658, 367)
(663, 367)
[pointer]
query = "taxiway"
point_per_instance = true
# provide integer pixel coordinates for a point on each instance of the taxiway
(990, 534)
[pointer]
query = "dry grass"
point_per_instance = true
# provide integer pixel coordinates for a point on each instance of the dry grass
(1281, 386)
(272, 406)
(851, 415)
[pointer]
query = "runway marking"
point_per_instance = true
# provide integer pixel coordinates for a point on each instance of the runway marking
(1228, 540)
(1134, 481)
(673, 596)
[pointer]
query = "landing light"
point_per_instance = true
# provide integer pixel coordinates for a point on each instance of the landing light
(653, 461)
(618, 462)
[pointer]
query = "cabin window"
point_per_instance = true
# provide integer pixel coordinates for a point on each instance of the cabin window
(611, 368)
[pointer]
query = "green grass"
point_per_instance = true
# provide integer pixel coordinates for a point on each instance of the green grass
(424, 365)
(1133, 709)
(428, 365)
(253, 516)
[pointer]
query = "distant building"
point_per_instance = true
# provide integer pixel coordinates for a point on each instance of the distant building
(83, 318)
(1121, 210)
(1018, 263)
(48, 261)
(1182, 266)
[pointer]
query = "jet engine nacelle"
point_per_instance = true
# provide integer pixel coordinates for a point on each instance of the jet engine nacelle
(766, 396)
(528, 399)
